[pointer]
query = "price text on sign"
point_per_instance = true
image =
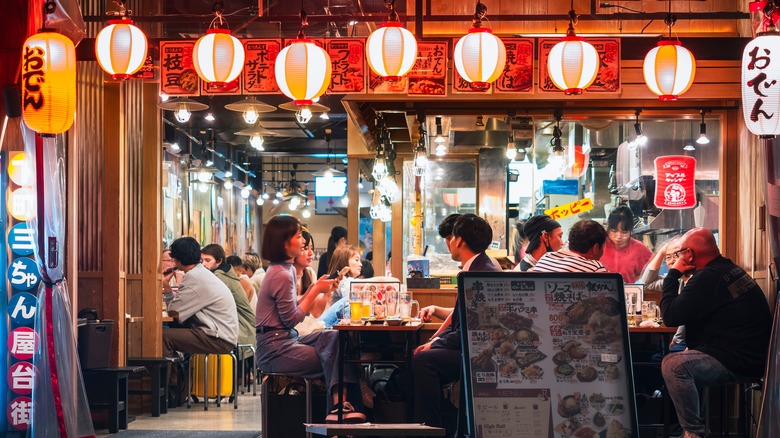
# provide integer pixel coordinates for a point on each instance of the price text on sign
(572, 208)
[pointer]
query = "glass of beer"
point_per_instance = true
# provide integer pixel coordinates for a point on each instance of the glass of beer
(355, 307)
(368, 297)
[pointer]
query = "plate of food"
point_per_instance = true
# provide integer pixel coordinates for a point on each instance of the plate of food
(508, 369)
(532, 372)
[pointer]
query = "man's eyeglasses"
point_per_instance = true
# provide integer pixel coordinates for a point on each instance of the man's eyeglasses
(670, 257)
(682, 250)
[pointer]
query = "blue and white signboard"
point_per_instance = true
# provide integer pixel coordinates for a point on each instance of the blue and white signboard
(23, 274)
(22, 307)
(20, 239)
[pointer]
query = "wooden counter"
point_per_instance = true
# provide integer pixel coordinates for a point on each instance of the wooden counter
(439, 297)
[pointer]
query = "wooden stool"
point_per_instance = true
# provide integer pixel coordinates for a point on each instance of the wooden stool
(159, 370)
(107, 389)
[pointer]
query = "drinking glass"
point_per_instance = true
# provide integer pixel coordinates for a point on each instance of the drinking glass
(355, 306)
(650, 311)
(406, 304)
(368, 297)
(391, 298)
(631, 314)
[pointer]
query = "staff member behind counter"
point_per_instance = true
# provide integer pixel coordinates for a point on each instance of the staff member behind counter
(727, 321)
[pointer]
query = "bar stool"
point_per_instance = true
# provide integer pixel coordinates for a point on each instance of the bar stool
(205, 374)
(264, 400)
(239, 352)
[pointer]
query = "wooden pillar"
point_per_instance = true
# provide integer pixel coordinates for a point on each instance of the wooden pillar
(113, 215)
(151, 220)
(397, 245)
(353, 210)
(729, 179)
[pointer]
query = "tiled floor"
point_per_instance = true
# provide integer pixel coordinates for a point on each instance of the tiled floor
(246, 417)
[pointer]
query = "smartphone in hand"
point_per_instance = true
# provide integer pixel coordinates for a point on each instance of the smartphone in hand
(341, 273)
(169, 270)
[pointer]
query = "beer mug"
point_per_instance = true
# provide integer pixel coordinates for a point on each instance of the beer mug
(355, 306)
(650, 311)
(406, 304)
(631, 315)
(367, 310)
(391, 300)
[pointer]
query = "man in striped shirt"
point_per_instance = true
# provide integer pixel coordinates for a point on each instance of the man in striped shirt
(586, 245)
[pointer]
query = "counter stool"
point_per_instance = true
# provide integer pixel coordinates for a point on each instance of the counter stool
(239, 352)
(264, 399)
(205, 375)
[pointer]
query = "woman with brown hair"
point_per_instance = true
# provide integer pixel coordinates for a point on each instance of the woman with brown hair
(333, 304)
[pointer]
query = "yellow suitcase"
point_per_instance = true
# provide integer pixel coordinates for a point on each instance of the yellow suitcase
(225, 375)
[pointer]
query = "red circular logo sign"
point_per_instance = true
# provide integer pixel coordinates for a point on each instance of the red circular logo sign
(22, 343)
(19, 412)
(20, 377)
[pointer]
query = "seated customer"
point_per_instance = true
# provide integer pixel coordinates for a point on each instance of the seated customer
(586, 244)
(279, 348)
(544, 235)
(203, 303)
(246, 284)
(653, 282)
(213, 258)
(337, 306)
(727, 321)
(622, 253)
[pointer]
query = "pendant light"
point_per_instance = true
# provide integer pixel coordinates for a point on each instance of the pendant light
(391, 50)
(573, 63)
(303, 71)
(480, 56)
(420, 160)
(218, 56)
(703, 139)
(121, 47)
(670, 68)
(182, 108)
(48, 80)
(250, 109)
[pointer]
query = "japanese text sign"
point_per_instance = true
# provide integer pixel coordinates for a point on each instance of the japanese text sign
(22, 307)
(23, 274)
(608, 79)
(518, 75)
(177, 72)
(20, 377)
(674, 176)
(760, 86)
(22, 343)
(570, 209)
(428, 77)
(258, 74)
(20, 412)
(348, 62)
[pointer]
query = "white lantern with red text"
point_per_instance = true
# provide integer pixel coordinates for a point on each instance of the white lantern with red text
(669, 69)
(218, 57)
(480, 57)
(391, 51)
(48, 83)
(121, 48)
(761, 84)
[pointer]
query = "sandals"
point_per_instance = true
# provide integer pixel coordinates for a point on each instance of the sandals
(350, 415)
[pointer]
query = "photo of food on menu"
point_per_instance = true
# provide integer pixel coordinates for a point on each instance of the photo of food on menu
(546, 356)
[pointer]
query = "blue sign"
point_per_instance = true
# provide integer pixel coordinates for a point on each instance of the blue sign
(23, 274)
(20, 239)
(22, 308)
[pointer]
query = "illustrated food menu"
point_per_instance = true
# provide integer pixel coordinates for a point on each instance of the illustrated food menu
(547, 356)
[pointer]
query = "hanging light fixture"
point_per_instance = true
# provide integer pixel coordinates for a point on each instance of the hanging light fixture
(573, 63)
(641, 139)
(246, 190)
(391, 50)
(259, 201)
(120, 48)
(228, 184)
(303, 71)
(328, 171)
(669, 68)
(439, 139)
(555, 141)
(703, 139)
(257, 136)
(182, 108)
(420, 163)
(379, 170)
(511, 150)
(48, 81)
(218, 56)
(480, 56)
(250, 109)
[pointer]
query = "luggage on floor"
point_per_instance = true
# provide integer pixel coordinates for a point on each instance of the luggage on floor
(225, 375)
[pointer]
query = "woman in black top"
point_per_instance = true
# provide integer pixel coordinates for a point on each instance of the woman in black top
(338, 237)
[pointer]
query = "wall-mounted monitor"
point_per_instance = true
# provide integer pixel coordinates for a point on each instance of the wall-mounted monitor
(334, 187)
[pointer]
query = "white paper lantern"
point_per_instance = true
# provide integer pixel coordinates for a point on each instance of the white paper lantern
(121, 48)
(760, 89)
(303, 71)
(480, 57)
(218, 57)
(669, 69)
(573, 64)
(391, 51)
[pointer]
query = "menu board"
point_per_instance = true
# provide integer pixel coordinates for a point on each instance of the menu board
(546, 355)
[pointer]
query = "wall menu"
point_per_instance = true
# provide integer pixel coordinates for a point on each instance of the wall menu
(546, 355)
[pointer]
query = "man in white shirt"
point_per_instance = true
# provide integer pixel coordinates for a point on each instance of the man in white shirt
(586, 245)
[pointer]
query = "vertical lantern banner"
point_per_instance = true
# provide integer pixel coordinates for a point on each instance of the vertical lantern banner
(675, 182)
(177, 72)
(348, 63)
(258, 76)
(518, 75)
(760, 86)
(428, 76)
(462, 86)
(608, 79)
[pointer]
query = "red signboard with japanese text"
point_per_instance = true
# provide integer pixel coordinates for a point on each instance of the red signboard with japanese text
(348, 60)
(428, 77)
(177, 73)
(147, 70)
(518, 75)
(258, 75)
(675, 184)
(233, 87)
(608, 79)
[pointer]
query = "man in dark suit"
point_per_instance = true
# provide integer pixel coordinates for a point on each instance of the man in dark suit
(438, 362)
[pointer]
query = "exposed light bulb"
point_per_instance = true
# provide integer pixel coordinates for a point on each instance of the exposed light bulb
(511, 152)
(439, 139)
(441, 150)
(210, 117)
(275, 201)
(420, 162)
(380, 168)
(641, 140)
(324, 116)
(175, 147)
(256, 141)
(182, 114)
(703, 139)
(204, 176)
(209, 163)
(292, 206)
(279, 194)
(306, 213)
(265, 195)
(203, 188)
(303, 115)
(228, 184)
(245, 192)
(250, 115)
(260, 200)
(345, 200)
(228, 173)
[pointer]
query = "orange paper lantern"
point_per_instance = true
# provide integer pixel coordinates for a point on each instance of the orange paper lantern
(48, 82)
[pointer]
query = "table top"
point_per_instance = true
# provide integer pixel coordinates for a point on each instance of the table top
(413, 327)
(373, 429)
(661, 329)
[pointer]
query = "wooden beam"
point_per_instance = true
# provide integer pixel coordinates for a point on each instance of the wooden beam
(730, 223)
(353, 210)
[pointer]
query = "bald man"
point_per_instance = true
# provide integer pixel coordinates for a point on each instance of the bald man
(727, 321)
